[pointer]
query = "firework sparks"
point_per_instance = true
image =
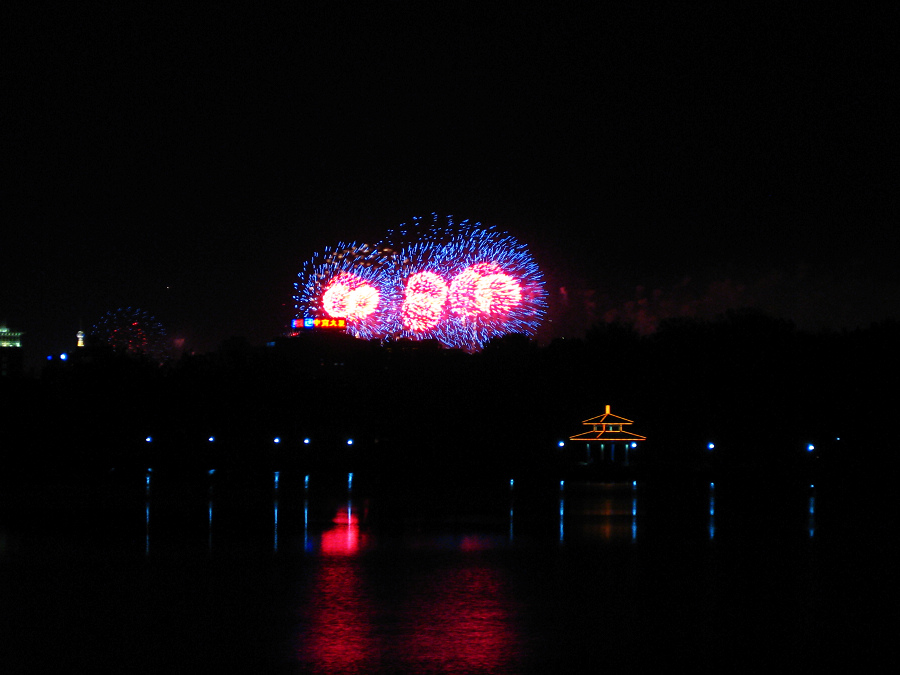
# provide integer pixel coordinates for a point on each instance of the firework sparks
(462, 284)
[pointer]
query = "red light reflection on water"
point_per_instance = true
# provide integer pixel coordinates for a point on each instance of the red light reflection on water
(340, 637)
(475, 543)
(463, 624)
(344, 538)
(457, 619)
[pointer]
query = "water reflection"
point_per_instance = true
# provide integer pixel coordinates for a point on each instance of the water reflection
(431, 583)
(633, 510)
(562, 519)
(811, 508)
(584, 512)
(210, 522)
(512, 512)
(306, 544)
(340, 636)
(345, 537)
(147, 512)
(275, 510)
(599, 511)
(275, 527)
(449, 619)
(462, 621)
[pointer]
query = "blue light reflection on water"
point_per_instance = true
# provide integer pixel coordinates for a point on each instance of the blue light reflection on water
(634, 511)
(562, 511)
(147, 512)
(562, 520)
(585, 512)
(275, 526)
(306, 541)
(811, 521)
(210, 536)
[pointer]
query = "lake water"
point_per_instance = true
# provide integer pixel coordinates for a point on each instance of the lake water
(149, 571)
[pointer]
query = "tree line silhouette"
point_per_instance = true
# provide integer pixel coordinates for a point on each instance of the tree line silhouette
(757, 387)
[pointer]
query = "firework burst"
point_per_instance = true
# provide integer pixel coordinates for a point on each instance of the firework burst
(132, 331)
(353, 282)
(459, 283)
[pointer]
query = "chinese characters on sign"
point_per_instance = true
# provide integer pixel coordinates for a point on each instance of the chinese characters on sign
(310, 323)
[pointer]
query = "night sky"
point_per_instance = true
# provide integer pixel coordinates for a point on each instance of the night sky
(658, 161)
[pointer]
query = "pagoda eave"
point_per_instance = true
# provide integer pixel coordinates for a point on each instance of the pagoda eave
(601, 436)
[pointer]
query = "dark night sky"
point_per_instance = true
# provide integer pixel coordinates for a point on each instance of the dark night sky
(188, 163)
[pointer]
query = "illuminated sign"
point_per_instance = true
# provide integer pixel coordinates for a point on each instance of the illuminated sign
(310, 323)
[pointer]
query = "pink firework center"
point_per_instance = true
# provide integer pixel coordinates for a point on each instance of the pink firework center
(423, 303)
(482, 290)
(349, 297)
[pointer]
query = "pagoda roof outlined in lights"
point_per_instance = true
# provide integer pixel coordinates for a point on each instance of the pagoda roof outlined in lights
(607, 427)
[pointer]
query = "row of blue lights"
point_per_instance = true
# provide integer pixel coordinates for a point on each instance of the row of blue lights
(306, 441)
(276, 440)
(809, 447)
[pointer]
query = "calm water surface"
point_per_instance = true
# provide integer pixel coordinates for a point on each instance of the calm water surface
(284, 572)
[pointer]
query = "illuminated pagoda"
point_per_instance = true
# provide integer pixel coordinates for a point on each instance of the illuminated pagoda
(608, 429)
